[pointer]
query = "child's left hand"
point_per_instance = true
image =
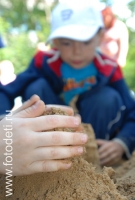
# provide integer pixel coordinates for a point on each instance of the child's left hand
(110, 152)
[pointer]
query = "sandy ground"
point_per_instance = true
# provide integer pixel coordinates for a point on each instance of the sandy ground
(84, 181)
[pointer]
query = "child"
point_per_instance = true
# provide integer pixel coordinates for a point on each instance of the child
(74, 70)
(115, 41)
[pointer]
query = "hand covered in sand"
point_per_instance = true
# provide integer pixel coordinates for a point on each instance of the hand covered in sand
(110, 152)
(32, 149)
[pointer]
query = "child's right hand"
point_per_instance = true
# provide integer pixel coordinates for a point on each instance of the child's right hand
(36, 151)
(110, 152)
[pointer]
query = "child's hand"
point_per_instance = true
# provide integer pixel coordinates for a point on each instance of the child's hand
(36, 151)
(110, 152)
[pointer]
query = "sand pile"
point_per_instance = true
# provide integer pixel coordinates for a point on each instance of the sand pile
(81, 182)
(91, 154)
(125, 178)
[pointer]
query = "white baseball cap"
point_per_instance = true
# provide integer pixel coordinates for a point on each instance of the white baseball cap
(77, 22)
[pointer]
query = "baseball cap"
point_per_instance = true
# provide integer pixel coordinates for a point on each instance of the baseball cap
(75, 21)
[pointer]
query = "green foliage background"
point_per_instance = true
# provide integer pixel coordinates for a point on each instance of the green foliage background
(19, 48)
(129, 69)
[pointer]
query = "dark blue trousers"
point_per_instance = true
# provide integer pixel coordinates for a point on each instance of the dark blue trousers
(103, 109)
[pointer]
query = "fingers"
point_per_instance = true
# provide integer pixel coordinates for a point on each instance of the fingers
(50, 165)
(109, 153)
(100, 142)
(109, 160)
(105, 149)
(45, 159)
(34, 110)
(67, 109)
(59, 138)
(53, 153)
(27, 104)
(105, 153)
(48, 122)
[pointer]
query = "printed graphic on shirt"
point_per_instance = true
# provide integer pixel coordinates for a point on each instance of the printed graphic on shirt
(77, 81)
(71, 84)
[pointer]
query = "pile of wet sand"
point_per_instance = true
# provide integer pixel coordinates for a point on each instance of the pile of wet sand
(125, 178)
(81, 182)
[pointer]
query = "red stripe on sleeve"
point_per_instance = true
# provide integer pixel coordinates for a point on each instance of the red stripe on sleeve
(39, 56)
(117, 75)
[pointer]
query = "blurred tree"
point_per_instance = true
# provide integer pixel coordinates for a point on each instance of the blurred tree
(25, 12)
(131, 6)
(16, 22)
(129, 69)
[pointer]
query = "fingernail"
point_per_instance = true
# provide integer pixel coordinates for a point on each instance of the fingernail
(80, 150)
(84, 138)
(35, 105)
(67, 165)
(76, 121)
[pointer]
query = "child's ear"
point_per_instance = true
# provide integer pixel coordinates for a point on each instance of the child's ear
(55, 43)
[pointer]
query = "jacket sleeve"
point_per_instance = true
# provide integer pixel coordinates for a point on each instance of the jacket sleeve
(127, 132)
(14, 89)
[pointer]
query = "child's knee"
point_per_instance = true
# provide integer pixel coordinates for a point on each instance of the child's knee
(41, 83)
(36, 87)
(109, 98)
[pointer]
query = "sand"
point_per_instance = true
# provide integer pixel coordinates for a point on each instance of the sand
(125, 178)
(81, 182)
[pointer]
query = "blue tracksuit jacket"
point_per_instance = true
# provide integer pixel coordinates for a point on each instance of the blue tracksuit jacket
(47, 65)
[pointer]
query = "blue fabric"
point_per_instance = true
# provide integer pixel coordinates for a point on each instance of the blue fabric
(100, 109)
(43, 90)
(97, 106)
(77, 81)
